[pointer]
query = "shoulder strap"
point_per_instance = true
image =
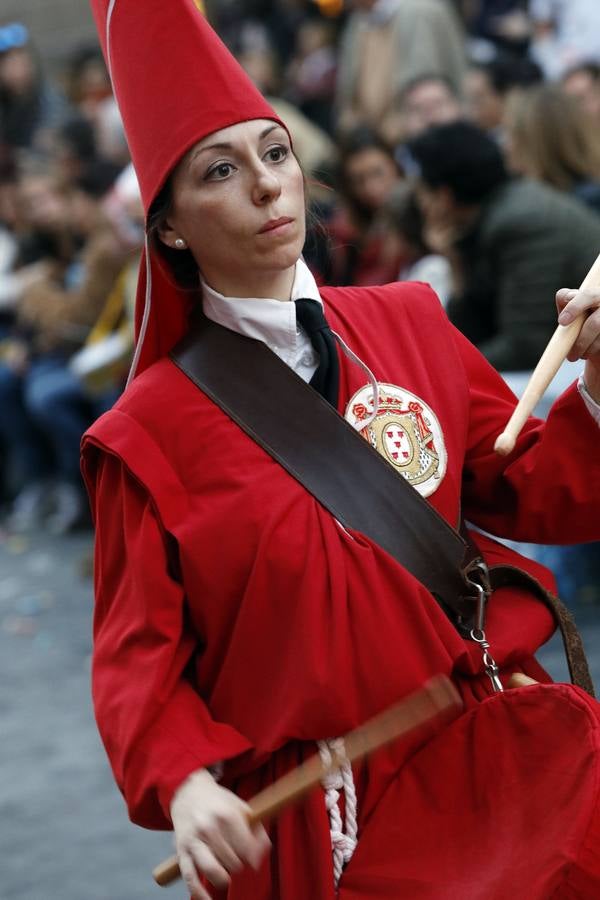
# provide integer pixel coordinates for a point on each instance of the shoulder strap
(322, 451)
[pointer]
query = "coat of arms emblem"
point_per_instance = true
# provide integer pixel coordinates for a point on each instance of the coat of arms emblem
(405, 431)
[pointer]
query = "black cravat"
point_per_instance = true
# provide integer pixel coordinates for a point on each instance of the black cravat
(326, 379)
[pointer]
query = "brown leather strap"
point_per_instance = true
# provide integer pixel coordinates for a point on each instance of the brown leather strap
(511, 576)
(316, 445)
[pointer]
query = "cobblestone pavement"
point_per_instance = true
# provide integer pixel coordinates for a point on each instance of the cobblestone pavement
(64, 833)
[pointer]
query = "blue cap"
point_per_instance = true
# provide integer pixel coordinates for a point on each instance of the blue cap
(13, 35)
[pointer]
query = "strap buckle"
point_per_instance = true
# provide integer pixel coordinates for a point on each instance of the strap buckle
(478, 578)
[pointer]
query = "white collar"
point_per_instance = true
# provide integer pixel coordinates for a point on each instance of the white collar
(271, 321)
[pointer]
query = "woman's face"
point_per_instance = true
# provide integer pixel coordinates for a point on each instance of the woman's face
(484, 106)
(370, 175)
(238, 203)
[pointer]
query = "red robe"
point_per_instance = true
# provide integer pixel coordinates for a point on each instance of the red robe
(236, 620)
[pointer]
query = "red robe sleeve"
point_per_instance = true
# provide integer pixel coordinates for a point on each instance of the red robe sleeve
(155, 727)
(547, 489)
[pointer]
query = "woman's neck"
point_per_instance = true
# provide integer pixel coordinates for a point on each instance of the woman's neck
(260, 285)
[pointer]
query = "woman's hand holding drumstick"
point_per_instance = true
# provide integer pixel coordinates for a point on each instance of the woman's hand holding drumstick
(577, 337)
(213, 835)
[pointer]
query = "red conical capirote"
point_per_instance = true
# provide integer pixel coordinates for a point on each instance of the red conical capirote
(175, 83)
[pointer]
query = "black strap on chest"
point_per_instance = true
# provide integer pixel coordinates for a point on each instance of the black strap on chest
(323, 452)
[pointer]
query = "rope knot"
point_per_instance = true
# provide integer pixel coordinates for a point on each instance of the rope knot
(343, 835)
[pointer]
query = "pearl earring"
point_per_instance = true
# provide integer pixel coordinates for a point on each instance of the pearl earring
(180, 243)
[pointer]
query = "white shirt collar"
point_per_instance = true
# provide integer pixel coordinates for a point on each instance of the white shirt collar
(271, 321)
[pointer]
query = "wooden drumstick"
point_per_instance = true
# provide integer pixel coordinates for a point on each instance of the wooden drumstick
(437, 702)
(550, 362)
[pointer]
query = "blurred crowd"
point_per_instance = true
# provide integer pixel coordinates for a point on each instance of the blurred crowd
(455, 142)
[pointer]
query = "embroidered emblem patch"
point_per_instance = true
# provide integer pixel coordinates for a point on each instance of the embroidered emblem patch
(406, 432)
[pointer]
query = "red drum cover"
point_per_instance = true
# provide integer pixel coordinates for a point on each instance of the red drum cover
(502, 804)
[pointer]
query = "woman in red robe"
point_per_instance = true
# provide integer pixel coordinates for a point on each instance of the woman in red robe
(238, 624)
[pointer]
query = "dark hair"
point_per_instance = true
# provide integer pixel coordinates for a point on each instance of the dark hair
(180, 262)
(427, 78)
(79, 135)
(351, 144)
(584, 68)
(506, 72)
(361, 138)
(98, 177)
(462, 157)
(403, 214)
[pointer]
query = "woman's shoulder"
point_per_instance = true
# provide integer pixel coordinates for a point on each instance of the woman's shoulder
(407, 301)
(148, 411)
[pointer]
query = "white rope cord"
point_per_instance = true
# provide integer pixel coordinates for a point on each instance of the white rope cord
(343, 836)
(109, 13)
(374, 386)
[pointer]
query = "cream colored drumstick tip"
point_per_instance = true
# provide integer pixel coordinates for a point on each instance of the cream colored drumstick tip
(550, 362)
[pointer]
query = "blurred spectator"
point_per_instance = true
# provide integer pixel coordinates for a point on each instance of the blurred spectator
(29, 104)
(387, 44)
(90, 92)
(310, 76)
(38, 393)
(498, 25)
(88, 81)
(8, 241)
(367, 174)
(313, 146)
(428, 100)
(566, 32)
(583, 83)
(20, 263)
(548, 138)
(489, 85)
(104, 360)
(510, 242)
(404, 230)
(75, 154)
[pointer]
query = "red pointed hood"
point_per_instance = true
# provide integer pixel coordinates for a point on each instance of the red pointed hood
(175, 83)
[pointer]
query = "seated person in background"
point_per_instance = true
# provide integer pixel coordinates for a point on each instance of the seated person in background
(404, 236)
(583, 83)
(367, 174)
(549, 138)
(30, 105)
(565, 32)
(498, 24)
(428, 100)
(488, 86)
(313, 146)
(509, 241)
(310, 75)
(42, 403)
(386, 45)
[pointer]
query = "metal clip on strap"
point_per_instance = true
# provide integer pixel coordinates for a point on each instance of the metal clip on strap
(479, 579)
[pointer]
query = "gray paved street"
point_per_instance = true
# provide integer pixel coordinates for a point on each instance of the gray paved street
(64, 834)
